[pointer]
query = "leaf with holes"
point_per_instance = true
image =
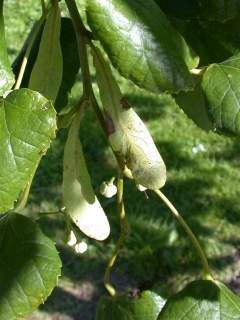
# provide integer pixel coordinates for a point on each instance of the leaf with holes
(221, 87)
(78, 196)
(202, 299)
(46, 75)
(29, 266)
(6, 74)
(27, 126)
(128, 135)
(142, 44)
(146, 306)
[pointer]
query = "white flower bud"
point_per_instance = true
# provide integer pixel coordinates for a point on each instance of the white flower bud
(108, 189)
(141, 188)
(72, 239)
(81, 247)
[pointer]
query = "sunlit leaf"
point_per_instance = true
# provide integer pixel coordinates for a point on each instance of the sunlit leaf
(221, 86)
(70, 61)
(6, 74)
(46, 75)
(142, 44)
(27, 126)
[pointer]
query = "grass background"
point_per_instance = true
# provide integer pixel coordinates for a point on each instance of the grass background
(203, 186)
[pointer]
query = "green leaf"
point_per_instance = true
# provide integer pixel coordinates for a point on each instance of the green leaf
(29, 266)
(78, 196)
(70, 56)
(128, 135)
(221, 86)
(71, 62)
(32, 57)
(193, 103)
(6, 74)
(145, 307)
(46, 75)
(27, 125)
(142, 44)
(200, 300)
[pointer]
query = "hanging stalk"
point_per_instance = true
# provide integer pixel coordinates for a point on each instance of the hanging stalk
(43, 6)
(199, 251)
(123, 231)
(82, 48)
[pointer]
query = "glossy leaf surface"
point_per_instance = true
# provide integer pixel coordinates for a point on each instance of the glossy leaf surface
(78, 196)
(202, 299)
(128, 135)
(142, 44)
(29, 268)
(46, 75)
(221, 86)
(145, 307)
(6, 74)
(27, 126)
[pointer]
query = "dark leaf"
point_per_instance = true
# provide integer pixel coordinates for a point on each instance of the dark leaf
(145, 307)
(200, 300)
(29, 266)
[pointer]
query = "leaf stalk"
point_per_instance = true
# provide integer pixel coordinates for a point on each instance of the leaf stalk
(123, 232)
(202, 257)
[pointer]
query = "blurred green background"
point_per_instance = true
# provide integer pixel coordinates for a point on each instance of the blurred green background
(204, 186)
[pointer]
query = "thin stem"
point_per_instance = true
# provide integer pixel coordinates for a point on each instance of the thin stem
(206, 270)
(82, 41)
(54, 2)
(33, 35)
(43, 6)
(82, 47)
(123, 231)
(24, 197)
(48, 213)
